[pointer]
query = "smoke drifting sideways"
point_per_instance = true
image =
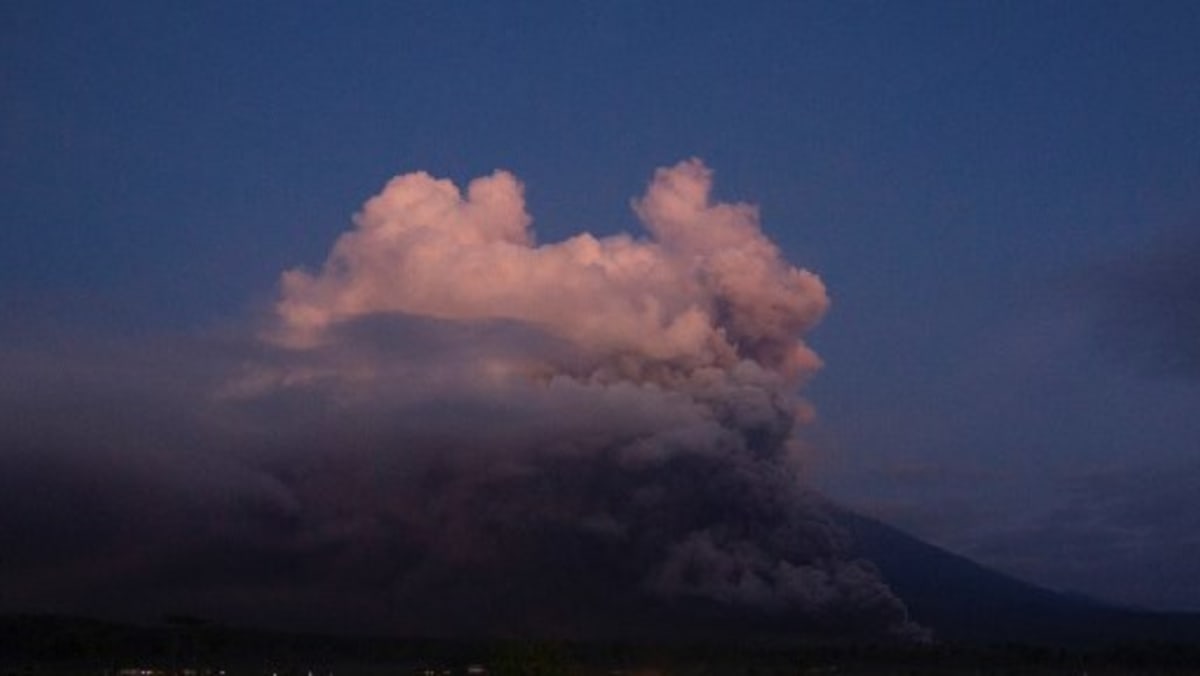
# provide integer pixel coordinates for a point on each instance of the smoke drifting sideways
(1145, 307)
(450, 429)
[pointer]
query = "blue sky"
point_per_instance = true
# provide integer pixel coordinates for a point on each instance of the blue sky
(1001, 198)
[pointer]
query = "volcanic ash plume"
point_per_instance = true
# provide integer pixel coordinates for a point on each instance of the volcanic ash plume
(528, 422)
(708, 290)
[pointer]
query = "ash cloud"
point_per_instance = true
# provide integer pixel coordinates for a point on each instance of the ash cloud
(708, 289)
(449, 428)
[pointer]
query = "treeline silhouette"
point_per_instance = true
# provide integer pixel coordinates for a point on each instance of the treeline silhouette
(48, 644)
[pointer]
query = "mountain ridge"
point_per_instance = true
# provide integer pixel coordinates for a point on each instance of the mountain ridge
(962, 600)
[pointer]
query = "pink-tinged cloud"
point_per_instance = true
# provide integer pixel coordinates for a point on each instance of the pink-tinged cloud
(706, 289)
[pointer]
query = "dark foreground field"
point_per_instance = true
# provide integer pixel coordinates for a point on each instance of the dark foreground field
(58, 645)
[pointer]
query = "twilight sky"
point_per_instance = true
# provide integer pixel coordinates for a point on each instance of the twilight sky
(983, 217)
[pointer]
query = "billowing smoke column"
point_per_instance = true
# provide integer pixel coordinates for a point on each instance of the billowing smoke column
(709, 290)
(571, 430)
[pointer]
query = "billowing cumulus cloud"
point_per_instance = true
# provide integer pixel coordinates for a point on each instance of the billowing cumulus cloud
(449, 428)
(708, 289)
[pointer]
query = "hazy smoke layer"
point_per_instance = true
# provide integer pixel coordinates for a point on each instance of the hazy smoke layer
(450, 428)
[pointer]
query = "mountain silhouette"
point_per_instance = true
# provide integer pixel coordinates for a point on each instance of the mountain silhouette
(961, 600)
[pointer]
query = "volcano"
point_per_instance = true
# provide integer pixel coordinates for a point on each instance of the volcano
(961, 600)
